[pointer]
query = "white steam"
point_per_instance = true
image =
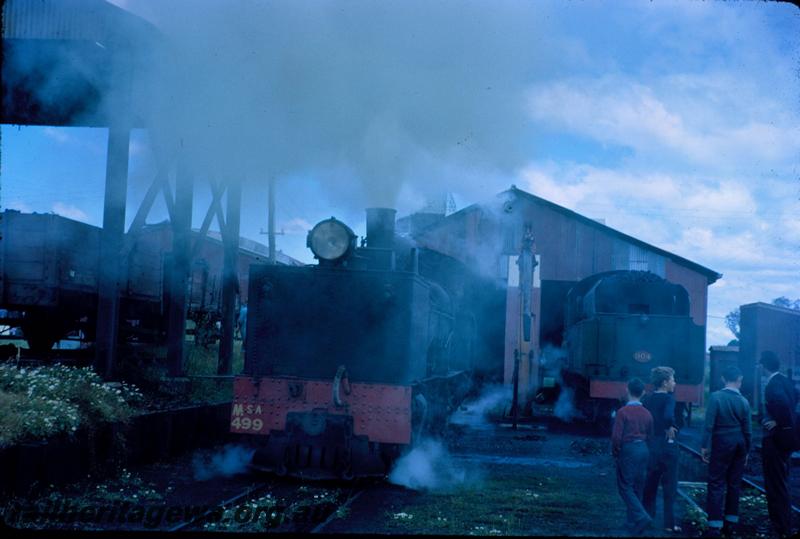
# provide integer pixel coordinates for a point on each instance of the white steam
(380, 94)
(477, 413)
(554, 362)
(230, 460)
(429, 467)
(565, 405)
(553, 358)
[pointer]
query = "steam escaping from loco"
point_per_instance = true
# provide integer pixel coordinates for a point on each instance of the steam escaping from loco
(553, 363)
(565, 405)
(430, 467)
(553, 358)
(230, 460)
(477, 413)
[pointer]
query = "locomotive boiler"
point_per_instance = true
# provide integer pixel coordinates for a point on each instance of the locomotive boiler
(621, 324)
(349, 361)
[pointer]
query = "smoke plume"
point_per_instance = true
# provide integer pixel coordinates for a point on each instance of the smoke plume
(230, 460)
(378, 94)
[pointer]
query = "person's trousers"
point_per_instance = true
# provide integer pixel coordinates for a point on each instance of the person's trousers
(725, 471)
(631, 473)
(776, 462)
(663, 470)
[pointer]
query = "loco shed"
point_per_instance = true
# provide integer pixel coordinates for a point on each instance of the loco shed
(499, 237)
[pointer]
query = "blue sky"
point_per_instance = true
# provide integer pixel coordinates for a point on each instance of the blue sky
(675, 122)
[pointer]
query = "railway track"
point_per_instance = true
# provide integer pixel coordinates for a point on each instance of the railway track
(292, 518)
(226, 504)
(752, 482)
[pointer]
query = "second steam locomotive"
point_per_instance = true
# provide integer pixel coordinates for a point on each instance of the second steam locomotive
(621, 324)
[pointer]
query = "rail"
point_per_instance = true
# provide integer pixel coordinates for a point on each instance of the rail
(255, 490)
(248, 492)
(746, 480)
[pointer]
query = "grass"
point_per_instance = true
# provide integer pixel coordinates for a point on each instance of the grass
(514, 503)
(204, 361)
(752, 511)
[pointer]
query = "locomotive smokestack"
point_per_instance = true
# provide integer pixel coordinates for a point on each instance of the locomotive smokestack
(380, 228)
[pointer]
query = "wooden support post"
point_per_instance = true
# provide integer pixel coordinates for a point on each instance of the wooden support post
(110, 271)
(179, 270)
(230, 276)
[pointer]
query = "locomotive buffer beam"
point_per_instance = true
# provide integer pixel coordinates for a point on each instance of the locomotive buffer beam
(319, 445)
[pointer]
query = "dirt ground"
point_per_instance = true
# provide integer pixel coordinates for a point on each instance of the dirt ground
(482, 479)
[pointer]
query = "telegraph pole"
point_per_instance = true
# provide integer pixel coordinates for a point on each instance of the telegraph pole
(271, 221)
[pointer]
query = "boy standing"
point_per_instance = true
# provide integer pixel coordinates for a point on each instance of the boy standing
(633, 427)
(727, 438)
(663, 466)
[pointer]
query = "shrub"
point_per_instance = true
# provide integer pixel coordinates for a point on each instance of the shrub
(43, 401)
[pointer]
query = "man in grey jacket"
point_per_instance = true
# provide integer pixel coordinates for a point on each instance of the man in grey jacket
(726, 443)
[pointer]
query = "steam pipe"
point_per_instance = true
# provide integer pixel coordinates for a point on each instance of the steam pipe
(380, 228)
(414, 263)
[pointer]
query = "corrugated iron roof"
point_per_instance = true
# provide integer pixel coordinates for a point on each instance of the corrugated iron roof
(75, 62)
(712, 275)
(88, 20)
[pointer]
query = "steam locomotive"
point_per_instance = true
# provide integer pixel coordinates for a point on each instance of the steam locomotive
(350, 361)
(621, 324)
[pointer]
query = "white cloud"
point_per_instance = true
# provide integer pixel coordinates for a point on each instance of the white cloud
(680, 114)
(746, 230)
(57, 134)
(69, 211)
(296, 225)
(19, 206)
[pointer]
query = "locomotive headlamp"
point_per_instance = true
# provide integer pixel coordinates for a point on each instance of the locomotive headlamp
(331, 240)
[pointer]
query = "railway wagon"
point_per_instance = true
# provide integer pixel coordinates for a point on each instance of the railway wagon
(350, 361)
(49, 278)
(621, 324)
(48, 271)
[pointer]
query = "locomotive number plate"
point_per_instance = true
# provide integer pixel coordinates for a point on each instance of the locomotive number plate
(642, 356)
(243, 419)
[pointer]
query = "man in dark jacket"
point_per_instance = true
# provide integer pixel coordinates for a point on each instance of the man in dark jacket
(663, 465)
(726, 443)
(780, 399)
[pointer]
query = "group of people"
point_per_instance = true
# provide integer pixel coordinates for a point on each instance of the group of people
(643, 442)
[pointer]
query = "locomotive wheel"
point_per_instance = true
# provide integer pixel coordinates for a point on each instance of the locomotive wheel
(602, 421)
(347, 473)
